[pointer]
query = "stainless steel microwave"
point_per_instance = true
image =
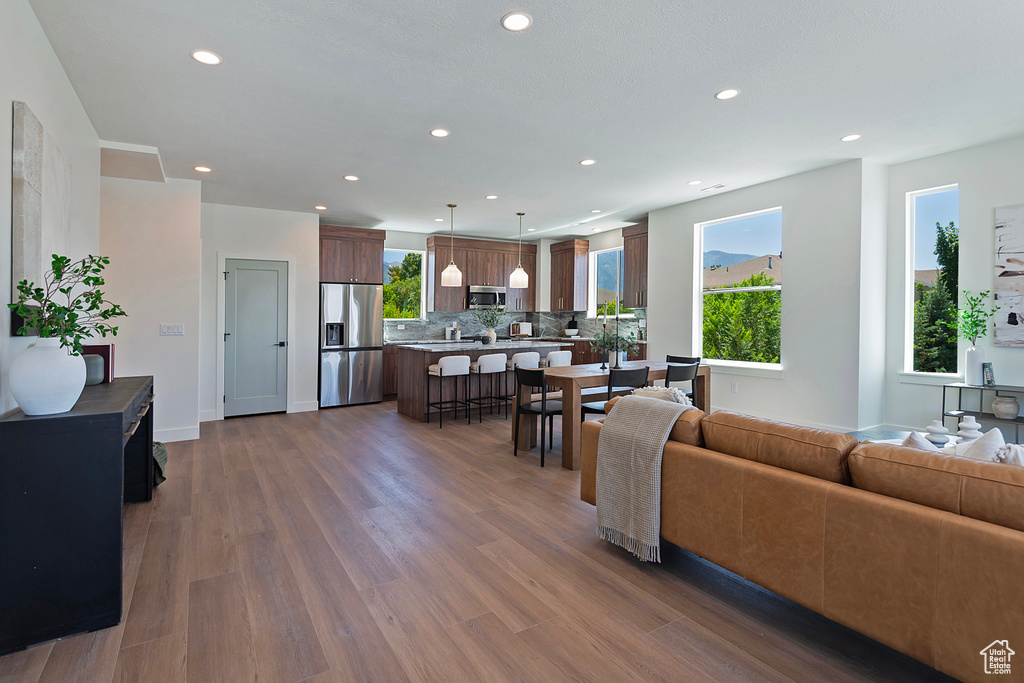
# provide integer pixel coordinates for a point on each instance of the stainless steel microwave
(486, 297)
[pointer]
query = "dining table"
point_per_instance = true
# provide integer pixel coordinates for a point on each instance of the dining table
(572, 380)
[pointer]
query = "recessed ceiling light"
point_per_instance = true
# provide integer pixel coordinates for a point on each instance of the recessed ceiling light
(206, 57)
(587, 162)
(531, 229)
(439, 220)
(596, 230)
(320, 208)
(352, 178)
(203, 169)
(727, 94)
(491, 196)
(439, 133)
(849, 138)
(516, 21)
(693, 182)
(595, 211)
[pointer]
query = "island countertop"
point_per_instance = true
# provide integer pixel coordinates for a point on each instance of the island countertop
(443, 347)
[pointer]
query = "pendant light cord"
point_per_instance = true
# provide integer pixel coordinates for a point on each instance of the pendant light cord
(520, 214)
(452, 208)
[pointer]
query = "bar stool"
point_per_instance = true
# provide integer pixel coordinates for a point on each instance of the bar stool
(449, 366)
(491, 364)
(557, 359)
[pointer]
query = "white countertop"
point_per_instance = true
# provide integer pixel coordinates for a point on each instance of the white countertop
(477, 346)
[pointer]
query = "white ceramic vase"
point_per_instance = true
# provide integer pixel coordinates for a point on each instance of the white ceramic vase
(492, 334)
(46, 379)
(969, 429)
(973, 358)
(937, 433)
(1006, 407)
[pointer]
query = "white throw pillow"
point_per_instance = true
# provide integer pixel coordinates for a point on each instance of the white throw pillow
(985, 448)
(915, 440)
(665, 394)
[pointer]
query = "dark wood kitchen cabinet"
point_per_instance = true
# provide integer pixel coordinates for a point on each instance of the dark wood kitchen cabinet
(634, 249)
(63, 481)
(351, 255)
(482, 262)
(390, 373)
(569, 275)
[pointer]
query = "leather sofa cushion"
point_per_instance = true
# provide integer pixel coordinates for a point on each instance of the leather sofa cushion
(816, 452)
(991, 492)
(687, 428)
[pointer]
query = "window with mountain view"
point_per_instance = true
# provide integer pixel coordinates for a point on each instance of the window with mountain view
(741, 282)
(607, 286)
(934, 243)
(403, 284)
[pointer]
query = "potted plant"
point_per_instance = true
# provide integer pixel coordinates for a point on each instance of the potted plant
(48, 376)
(490, 317)
(610, 342)
(972, 321)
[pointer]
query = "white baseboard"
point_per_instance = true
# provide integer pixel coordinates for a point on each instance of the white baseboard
(179, 434)
(207, 415)
(304, 406)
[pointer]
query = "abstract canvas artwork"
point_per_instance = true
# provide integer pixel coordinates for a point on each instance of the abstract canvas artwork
(40, 197)
(1009, 280)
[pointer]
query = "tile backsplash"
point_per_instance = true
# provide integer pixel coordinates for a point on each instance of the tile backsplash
(544, 325)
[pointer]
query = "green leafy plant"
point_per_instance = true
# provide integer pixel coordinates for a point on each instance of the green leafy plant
(69, 305)
(402, 288)
(744, 326)
(935, 308)
(490, 317)
(609, 342)
(974, 317)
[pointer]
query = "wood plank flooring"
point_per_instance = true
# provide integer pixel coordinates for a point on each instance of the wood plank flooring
(357, 545)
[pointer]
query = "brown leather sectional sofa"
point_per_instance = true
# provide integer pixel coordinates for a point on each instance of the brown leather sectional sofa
(919, 551)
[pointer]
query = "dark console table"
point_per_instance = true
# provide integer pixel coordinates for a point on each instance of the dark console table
(63, 481)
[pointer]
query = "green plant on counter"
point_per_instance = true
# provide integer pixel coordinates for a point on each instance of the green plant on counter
(974, 317)
(609, 342)
(491, 317)
(56, 311)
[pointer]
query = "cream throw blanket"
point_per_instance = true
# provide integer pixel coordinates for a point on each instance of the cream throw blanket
(629, 473)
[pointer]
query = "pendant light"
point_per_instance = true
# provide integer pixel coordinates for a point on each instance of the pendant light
(519, 279)
(452, 276)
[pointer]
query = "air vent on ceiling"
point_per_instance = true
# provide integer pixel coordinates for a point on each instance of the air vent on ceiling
(719, 186)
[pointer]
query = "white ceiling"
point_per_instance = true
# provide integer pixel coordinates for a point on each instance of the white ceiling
(312, 90)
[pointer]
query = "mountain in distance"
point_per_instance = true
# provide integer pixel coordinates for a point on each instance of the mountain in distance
(724, 258)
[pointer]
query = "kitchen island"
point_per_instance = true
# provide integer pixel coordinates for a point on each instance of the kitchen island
(414, 359)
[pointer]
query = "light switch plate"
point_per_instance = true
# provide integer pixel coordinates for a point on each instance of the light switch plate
(172, 329)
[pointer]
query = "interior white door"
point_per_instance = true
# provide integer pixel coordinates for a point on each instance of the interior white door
(255, 337)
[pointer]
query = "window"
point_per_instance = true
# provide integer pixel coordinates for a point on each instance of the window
(404, 296)
(741, 287)
(607, 287)
(933, 251)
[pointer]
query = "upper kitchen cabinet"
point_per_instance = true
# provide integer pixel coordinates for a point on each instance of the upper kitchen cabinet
(569, 275)
(483, 263)
(522, 300)
(351, 254)
(634, 249)
(439, 255)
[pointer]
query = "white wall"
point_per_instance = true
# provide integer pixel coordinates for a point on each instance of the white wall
(241, 232)
(823, 234)
(31, 73)
(989, 176)
(150, 231)
(410, 241)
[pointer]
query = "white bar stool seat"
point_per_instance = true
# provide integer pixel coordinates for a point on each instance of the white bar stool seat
(557, 359)
(492, 364)
(449, 366)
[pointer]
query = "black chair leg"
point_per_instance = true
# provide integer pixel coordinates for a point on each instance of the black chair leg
(542, 416)
(515, 437)
(440, 401)
(426, 395)
(551, 431)
(469, 406)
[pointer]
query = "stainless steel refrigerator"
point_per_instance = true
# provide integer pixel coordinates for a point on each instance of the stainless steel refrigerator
(351, 344)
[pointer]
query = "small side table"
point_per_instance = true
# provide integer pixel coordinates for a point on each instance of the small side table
(980, 414)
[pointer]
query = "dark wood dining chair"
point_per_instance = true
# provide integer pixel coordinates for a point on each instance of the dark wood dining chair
(619, 381)
(682, 374)
(528, 380)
